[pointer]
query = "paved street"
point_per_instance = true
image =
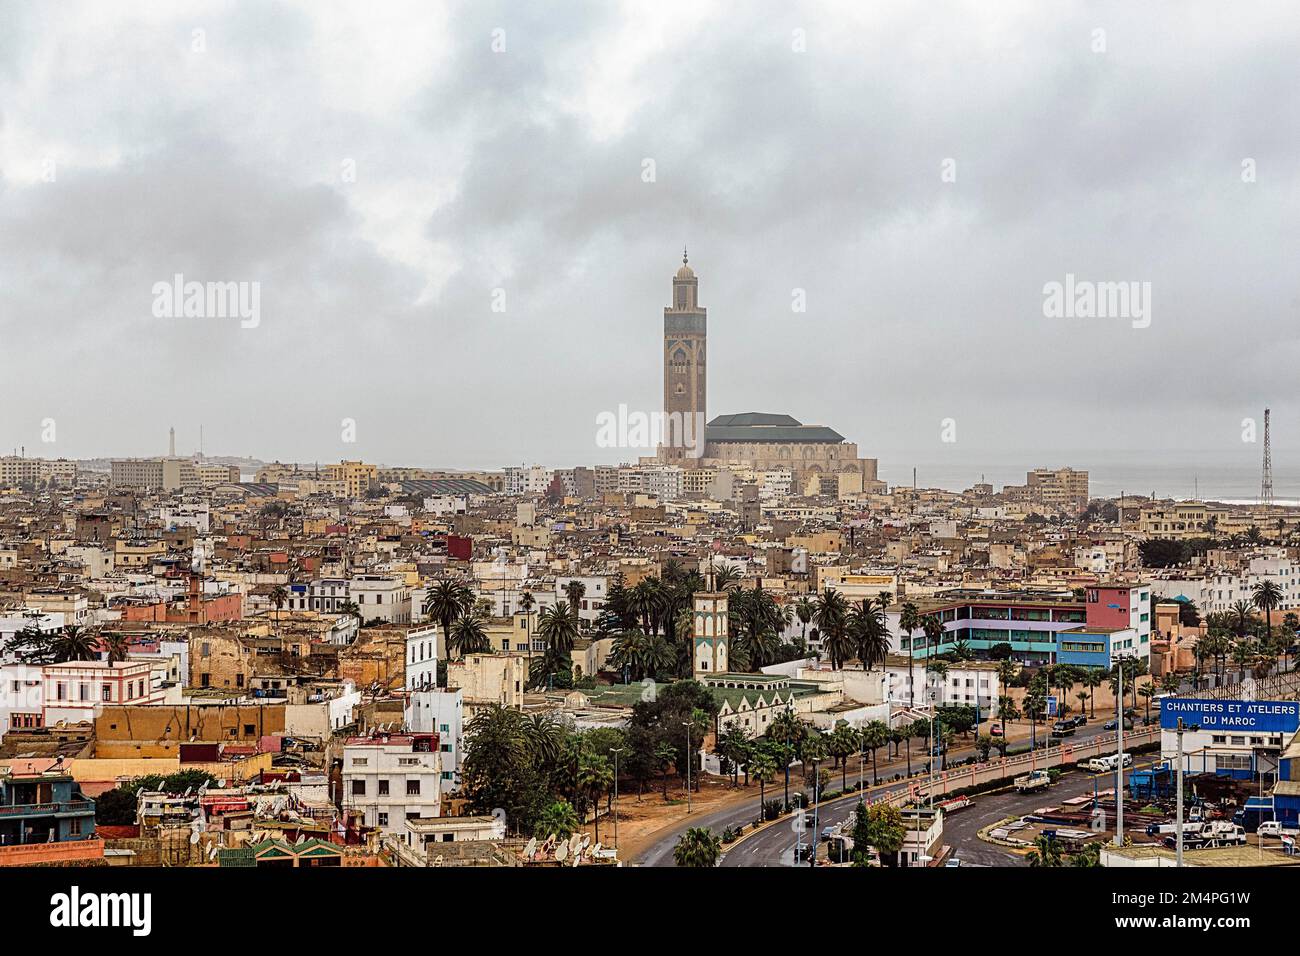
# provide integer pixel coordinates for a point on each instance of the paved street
(766, 846)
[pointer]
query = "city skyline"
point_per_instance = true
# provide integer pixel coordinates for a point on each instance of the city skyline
(916, 225)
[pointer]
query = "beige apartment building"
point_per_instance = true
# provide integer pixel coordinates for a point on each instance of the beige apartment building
(356, 475)
(1063, 488)
(16, 470)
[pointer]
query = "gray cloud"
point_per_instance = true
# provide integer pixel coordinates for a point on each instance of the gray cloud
(521, 170)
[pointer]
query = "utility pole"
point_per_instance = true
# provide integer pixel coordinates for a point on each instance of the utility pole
(1178, 819)
(616, 751)
(1119, 755)
(687, 725)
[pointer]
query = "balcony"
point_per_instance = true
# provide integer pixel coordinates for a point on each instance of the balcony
(46, 809)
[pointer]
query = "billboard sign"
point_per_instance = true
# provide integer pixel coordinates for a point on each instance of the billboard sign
(1238, 716)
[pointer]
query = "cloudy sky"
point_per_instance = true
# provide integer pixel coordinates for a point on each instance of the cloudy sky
(382, 170)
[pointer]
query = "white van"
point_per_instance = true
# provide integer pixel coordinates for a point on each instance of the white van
(1107, 763)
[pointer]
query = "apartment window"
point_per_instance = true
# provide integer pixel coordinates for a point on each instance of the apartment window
(207, 649)
(360, 761)
(62, 691)
(383, 788)
(106, 691)
(383, 819)
(413, 788)
(250, 729)
(83, 691)
(205, 680)
(358, 788)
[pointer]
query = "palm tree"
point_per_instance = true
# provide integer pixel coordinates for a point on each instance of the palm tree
(351, 607)
(843, 742)
(557, 628)
(468, 637)
(874, 736)
(445, 602)
(804, 610)
(595, 777)
(74, 643)
(909, 619)
(1046, 852)
(933, 628)
(1243, 615)
(1006, 670)
(115, 644)
(733, 746)
(831, 617)
(559, 819)
(697, 847)
(526, 604)
(574, 591)
(867, 626)
(279, 597)
(763, 769)
(1093, 678)
(1267, 596)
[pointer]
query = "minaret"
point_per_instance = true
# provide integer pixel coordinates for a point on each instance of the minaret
(709, 639)
(171, 445)
(685, 331)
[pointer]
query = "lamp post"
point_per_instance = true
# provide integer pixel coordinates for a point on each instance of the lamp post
(616, 751)
(687, 725)
(1119, 754)
(1178, 819)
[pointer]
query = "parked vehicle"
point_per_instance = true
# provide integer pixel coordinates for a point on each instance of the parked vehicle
(1062, 728)
(1110, 724)
(995, 730)
(1107, 763)
(1034, 780)
(1212, 834)
(1274, 828)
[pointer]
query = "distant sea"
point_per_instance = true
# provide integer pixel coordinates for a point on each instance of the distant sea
(1178, 475)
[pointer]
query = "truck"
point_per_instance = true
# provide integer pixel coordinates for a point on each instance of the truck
(1215, 833)
(1034, 780)
(1107, 763)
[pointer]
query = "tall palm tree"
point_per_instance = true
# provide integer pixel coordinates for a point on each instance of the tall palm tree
(447, 601)
(831, 617)
(526, 604)
(115, 644)
(556, 627)
(874, 736)
(909, 619)
(697, 847)
(763, 769)
(933, 628)
(804, 609)
(574, 591)
(279, 597)
(74, 643)
(867, 627)
(468, 636)
(1267, 596)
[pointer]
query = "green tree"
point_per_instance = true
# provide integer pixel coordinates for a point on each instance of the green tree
(697, 847)
(557, 819)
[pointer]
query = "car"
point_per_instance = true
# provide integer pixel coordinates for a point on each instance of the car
(1110, 724)
(953, 861)
(1080, 720)
(995, 730)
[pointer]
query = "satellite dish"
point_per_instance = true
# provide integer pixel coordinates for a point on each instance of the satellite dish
(530, 850)
(561, 851)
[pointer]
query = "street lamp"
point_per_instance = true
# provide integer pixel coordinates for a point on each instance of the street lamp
(616, 751)
(1178, 819)
(687, 725)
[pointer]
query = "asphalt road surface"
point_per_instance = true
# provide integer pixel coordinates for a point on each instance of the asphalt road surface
(660, 853)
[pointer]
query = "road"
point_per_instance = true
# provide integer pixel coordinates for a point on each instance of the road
(660, 853)
(775, 846)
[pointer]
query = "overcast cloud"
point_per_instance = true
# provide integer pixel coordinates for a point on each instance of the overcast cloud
(522, 170)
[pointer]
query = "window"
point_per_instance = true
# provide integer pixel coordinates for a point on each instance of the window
(383, 788)
(358, 788)
(383, 819)
(413, 788)
(106, 692)
(83, 692)
(62, 692)
(360, 761)
(250, 729)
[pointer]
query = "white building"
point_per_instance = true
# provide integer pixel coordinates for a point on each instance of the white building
(593, 596)
(422, 657)
(440, 711)
(381, 596)
(391, 778)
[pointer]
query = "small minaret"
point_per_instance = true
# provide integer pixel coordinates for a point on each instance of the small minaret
(709, 632)
(171, 444)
